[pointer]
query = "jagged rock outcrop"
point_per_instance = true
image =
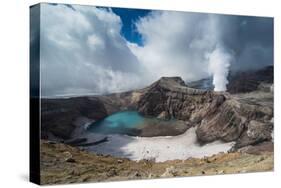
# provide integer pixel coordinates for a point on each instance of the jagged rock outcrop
(256, 133)
(221, 122)
(217, 115)
(171, 97)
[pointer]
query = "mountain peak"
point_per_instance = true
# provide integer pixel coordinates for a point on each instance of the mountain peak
(175, 80)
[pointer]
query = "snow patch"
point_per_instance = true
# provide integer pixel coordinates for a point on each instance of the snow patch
(160, 148)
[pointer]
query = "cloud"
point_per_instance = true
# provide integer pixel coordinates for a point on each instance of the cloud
(178, 43)
(175, 43)
(82, 51)
(250, 38)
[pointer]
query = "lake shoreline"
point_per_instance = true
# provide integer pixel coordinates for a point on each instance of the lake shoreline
(132, 123)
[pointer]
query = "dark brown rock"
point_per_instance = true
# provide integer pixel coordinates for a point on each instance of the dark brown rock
(222, 123)
(255, 133)
(58, 115)
(248, 81)
(219, 116)
(70, 160)
(171, 98)
(258, 148)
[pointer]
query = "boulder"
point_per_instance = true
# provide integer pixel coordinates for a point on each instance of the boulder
(222, 123)
(163, 115)
(255, 133)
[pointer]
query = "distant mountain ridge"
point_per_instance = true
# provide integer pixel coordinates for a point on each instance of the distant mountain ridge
(247, 81)
(205, 84)
(239, 82)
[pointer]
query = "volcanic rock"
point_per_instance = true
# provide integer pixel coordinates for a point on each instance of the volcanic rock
(244, 118)
(59, 115)
(247, 81)
(218, 115)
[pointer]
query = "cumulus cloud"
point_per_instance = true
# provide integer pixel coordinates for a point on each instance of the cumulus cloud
(83, 51)
(179, 44)
(175, 43)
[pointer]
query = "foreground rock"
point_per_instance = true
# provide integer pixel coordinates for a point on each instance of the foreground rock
(61, 164)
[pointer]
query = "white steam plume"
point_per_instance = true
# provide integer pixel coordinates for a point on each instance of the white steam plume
(219, 63)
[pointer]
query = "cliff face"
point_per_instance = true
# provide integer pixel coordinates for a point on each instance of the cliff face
(170, 96)
(59, 115)
(245, 118)
(217, 115)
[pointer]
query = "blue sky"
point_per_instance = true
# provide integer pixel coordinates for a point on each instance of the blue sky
(129, 17)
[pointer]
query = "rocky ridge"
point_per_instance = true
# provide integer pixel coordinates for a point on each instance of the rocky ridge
(217, 115)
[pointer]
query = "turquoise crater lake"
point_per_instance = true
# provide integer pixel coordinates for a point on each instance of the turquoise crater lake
(134, 124)
(125, 122)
